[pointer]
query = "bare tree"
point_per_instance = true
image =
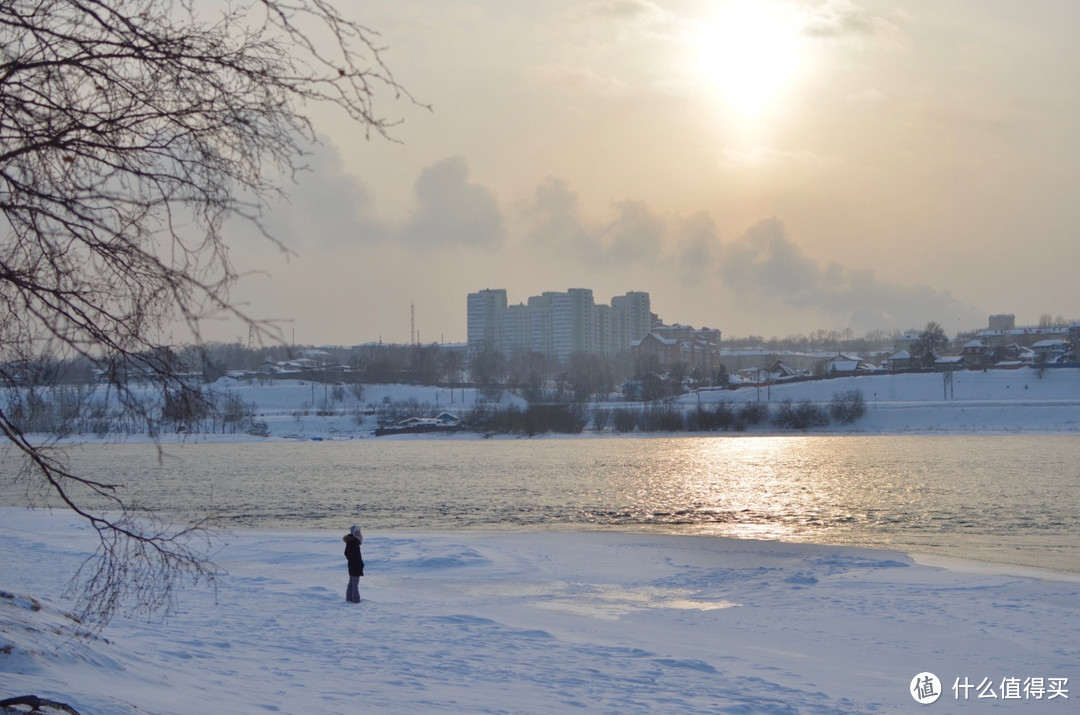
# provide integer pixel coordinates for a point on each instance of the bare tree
(932, 342)
(130, 132)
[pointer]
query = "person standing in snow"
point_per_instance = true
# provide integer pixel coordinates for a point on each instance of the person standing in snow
(356, 563)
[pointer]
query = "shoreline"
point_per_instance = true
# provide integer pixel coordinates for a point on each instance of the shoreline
(1019, 401)
(543, 623)
(951, 559)
(1069, 426)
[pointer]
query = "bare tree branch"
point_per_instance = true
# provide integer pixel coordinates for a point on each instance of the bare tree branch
(130, 132)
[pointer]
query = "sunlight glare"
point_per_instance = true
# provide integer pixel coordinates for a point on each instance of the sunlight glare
(749, 52)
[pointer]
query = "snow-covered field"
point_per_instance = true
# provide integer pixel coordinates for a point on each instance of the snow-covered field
(1023, 400)
(544, 623)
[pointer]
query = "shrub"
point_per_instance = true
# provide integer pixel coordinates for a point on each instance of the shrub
(753, 413)
(662, 416)
(848, 406)
(564, 419)
(601, 419)
(625, 420)
(723, 416)
(802, 416)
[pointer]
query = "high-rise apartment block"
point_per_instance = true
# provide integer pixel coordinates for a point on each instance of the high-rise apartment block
(557, 324)
(485, 319)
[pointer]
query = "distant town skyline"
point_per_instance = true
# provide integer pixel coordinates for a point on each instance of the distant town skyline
(765, 167)
(493, 322)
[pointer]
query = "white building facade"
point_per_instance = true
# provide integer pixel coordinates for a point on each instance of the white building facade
(557, 325)
(485, 311)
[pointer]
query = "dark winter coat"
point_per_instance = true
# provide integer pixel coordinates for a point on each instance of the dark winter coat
(352, 553)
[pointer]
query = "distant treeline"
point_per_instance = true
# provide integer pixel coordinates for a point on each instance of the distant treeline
(75, 410)
(666, 416)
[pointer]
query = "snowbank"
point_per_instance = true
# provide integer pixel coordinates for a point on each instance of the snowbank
(543, 623)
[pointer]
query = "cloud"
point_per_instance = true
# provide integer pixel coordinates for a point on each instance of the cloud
(766, 263)
(328, 208)
(699, 246)
(761, 270)
(452, 211)
(637, 233)
(325, 207)
(553, 216)
(842, 20)
(554, 219)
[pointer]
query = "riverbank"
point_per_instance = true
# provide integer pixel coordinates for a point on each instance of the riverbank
(1023, 400)
(543, 623)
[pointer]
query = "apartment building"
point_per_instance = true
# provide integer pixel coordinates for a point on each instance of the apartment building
(484, 315)
(556, 324)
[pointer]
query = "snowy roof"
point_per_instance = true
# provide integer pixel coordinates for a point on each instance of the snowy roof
(654, 336)
(1028, 330)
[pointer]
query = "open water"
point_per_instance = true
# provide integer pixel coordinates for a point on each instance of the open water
(1003, 498)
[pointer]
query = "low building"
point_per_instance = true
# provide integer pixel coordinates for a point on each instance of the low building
(664, 350)
(1048, 351)
(898, 361)
(698, 350)
(841, 364)
(950, 363)
(977, 354)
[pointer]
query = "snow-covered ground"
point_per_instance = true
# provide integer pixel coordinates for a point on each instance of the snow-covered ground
(564, 622)
(1023, 400)
(544, 623)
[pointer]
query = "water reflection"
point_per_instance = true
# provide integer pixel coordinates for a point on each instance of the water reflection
(1014, 493)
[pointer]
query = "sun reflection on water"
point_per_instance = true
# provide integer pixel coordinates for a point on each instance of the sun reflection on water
(775, 487)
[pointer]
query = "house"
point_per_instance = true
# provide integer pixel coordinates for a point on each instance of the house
(907, 342)
(976, 354)
(841, 364)
(781, 371)
(751, 376)
(950, 363)
(664, 350)
(898, 361)
(1013, 356)
(697, 349)
(1024, 335)
(1048, 351)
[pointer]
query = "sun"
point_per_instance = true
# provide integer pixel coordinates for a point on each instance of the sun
(750, 51)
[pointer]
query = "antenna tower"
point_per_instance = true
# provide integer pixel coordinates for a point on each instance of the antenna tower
(412, 323)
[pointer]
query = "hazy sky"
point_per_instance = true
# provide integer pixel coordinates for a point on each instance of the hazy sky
(761, 167)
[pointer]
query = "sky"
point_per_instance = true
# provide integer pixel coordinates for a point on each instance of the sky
(764, 168)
